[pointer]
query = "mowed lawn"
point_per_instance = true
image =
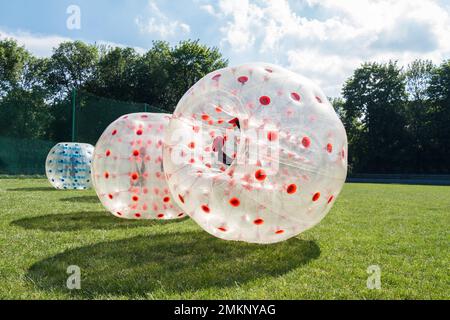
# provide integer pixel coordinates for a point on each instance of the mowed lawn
(402, 229)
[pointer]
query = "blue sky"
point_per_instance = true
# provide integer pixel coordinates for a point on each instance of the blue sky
(321, 39)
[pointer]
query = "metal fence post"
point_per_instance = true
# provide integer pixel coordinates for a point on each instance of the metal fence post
(74, 95)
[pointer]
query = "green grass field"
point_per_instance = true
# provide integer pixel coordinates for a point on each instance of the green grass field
(402, 229)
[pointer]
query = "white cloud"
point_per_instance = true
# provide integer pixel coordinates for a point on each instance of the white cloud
(43, 45)
(328, 46)
(238, 32)
(327, 71)
(158, 23)
(40, 45)
(209, 9)
(111, 44)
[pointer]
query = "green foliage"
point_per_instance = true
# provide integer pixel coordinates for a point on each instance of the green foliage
(439, 89)
(115, 74)
(439, 116)
(418, 77)
(154, 77)
(35, 93)
(24, 114)
(159, 78)
(190, 62)
(71, 65)
(398, 120)
(12, 62)
(418, 113)
(374, 108)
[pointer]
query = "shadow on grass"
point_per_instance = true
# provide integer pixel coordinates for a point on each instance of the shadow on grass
(32, 189)
(87, 199)
(99, 220)
(172, 263)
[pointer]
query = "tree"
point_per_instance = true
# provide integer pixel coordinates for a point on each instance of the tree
(418, 77)
(23, 111)
(71, 65)
(338, 105)
(115, 74)
(12, 61)
(164, 74)
(439, 117)
(374, 117)
(190, 62)
(153, 76)
(24, 114)
(159, 77)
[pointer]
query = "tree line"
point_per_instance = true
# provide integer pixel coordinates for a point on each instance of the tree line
(397, 118)
(35, 92)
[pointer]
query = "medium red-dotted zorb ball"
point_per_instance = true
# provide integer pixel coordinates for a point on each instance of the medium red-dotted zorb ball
(68, 165)
(127, 169)
(255, 153)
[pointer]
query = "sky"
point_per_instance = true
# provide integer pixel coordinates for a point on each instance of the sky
(324, 40)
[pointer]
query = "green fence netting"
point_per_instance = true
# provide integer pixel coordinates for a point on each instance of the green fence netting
(23, 156)
(26, 155)
(94, 114)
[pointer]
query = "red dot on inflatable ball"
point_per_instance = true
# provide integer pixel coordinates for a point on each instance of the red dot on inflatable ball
(330, 199)
(264, 100)
(134, 176)
(291, 189)
(316, 196)
(329, 148)
(243, 79)
(258, 222)
(306, 142)
(272, 136)
(260, 175)
(235, 202)
(295, 96)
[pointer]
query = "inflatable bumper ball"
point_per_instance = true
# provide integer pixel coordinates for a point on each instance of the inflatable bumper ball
(127, 169)
(68, 165)
(255, 153)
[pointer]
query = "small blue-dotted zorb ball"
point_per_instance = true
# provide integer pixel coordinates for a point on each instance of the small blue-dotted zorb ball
(68, 165)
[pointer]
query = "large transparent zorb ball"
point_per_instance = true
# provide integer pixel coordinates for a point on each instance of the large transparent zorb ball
(127, 169)
(68, 165)
(255, 153)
